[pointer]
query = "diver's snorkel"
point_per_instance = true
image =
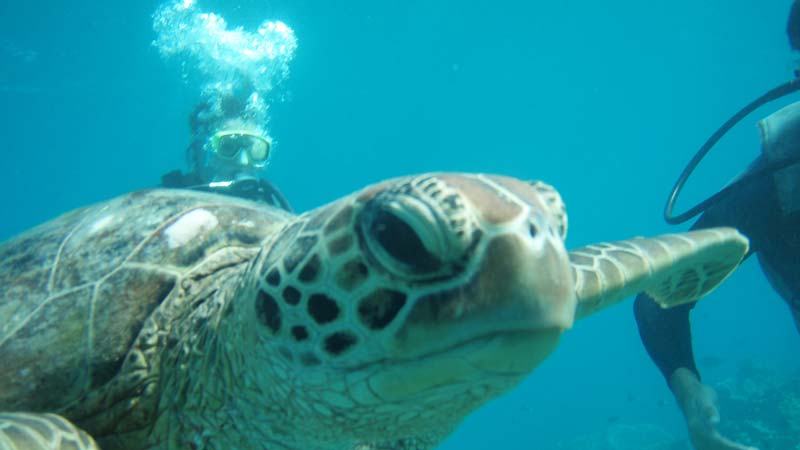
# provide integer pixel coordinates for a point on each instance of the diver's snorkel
(768, 169)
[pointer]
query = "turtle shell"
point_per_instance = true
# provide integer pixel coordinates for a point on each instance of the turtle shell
(76, 291)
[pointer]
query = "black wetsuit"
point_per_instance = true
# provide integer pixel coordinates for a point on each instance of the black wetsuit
(755, 210)
(257, 189)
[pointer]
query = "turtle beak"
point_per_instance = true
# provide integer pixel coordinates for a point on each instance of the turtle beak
(529, 283)
(502, 324)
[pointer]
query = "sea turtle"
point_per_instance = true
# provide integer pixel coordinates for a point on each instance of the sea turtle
(171, 319)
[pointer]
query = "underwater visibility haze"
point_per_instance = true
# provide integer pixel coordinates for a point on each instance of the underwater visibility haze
(606, 101)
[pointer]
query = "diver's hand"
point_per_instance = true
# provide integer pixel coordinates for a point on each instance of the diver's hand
(699, 405)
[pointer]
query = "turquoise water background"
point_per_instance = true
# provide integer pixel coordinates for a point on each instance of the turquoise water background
(605, 100)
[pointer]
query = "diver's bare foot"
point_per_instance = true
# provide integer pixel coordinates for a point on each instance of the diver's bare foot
(699, 405)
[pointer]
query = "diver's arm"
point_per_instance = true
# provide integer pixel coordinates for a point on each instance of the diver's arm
(666, 335)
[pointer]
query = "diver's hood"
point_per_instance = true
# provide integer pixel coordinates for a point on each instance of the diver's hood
(780, 140)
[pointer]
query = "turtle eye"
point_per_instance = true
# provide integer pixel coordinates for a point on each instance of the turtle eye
(398, 244)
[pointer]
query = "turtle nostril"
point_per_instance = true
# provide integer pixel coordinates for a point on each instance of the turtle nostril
(532, 230)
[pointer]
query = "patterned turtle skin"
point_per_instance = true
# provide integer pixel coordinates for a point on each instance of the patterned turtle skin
(169, 319)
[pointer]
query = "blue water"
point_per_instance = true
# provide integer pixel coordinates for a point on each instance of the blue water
(605, 100)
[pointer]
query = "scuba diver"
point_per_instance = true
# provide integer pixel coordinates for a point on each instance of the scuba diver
(764, 204)
(226, 155)
(239, 69)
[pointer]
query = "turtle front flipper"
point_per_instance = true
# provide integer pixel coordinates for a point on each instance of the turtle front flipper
(29, 431)
(673, 268)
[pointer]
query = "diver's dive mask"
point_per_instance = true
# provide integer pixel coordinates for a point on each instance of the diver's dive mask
(230, 144)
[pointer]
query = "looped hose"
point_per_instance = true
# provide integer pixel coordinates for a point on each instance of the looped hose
(770, 168)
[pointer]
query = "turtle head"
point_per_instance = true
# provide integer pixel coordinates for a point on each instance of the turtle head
(405, 306)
